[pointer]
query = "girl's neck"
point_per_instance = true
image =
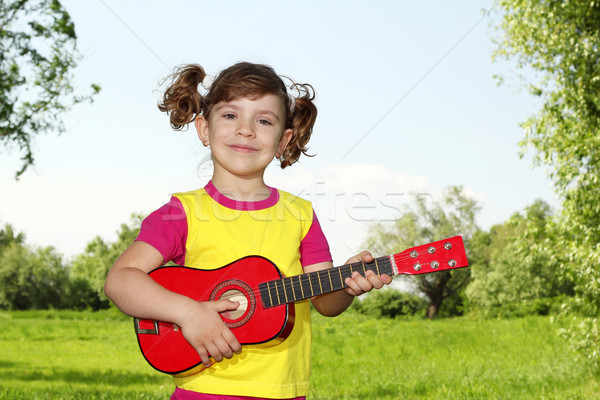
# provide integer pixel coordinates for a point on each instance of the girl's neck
(242, 189)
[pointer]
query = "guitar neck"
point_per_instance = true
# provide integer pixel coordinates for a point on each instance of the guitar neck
(304, 286)
(437, 256)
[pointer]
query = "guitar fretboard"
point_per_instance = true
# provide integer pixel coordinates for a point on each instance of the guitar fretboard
(304, 286)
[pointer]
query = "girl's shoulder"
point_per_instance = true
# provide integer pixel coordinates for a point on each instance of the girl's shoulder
(294, 205)
(294, 199)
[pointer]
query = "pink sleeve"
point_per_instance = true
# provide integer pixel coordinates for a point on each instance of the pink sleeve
(166, 230)
(314, 247)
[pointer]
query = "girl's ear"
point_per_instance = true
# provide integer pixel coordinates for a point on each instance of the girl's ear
(286, 136)
(201, 125)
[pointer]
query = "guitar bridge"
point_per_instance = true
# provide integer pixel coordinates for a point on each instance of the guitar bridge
(145, 326)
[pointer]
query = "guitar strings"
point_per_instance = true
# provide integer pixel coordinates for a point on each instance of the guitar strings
(385, 260)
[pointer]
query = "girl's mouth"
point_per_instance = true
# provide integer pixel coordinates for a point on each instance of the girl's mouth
(242, 148)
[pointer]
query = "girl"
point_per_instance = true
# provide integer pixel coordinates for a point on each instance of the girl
(247, 118)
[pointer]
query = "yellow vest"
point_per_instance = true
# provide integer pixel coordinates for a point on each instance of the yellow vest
(217, 236)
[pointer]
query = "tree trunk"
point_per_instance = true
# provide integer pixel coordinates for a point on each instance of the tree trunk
(433, 308)
(436, 293)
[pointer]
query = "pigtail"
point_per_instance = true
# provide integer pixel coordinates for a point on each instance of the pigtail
(302, 119)
(182, 101)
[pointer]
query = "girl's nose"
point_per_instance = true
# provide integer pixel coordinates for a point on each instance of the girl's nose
(245, 128)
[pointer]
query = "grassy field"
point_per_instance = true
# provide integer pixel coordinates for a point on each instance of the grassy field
(72, 355)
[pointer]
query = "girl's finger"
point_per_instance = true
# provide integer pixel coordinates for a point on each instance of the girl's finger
(204, 356)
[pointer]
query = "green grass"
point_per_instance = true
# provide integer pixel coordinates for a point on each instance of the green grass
(445, 359)
(72, 355)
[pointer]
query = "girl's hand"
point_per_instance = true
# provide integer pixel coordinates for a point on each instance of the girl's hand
(357, 284)
(204, 329)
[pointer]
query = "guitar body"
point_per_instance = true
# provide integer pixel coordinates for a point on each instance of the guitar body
(165, 347)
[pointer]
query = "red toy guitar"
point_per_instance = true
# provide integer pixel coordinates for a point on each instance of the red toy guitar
(266, 312)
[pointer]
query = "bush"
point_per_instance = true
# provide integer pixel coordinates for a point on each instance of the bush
(31, 278)
(83, 297)
(540, 306)
(390, 303)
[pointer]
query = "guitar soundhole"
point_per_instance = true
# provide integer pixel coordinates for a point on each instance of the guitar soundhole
(240, 292)
(236, 295)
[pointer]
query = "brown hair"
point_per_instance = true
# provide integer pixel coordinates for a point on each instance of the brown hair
(183, 102)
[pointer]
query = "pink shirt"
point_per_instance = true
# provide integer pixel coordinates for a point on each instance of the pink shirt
(181, 394)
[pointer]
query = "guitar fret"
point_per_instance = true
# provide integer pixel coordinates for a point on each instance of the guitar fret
(327, 280)
(269, 293)
(294, 290)
(335, 280)
(272, 291)
(274, 294)
(344, 273)
(320, 285)
(285, 290)
(302, 284)
(277, 290)
(301, 287)
(263, 294)
(312, 291)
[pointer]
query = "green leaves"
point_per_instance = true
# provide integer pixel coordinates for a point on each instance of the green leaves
(38, 53)
(559, 41)
(513, 272)
(93, 264)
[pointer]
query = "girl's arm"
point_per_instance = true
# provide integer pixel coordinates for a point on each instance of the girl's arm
(136, 294)
(334, 303)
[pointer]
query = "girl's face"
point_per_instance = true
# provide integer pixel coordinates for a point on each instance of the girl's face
(244, 135)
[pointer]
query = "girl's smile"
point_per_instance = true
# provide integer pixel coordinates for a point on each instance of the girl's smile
(243, 148)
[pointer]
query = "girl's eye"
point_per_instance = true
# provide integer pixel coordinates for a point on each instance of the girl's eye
(228, 116)
(264, 122)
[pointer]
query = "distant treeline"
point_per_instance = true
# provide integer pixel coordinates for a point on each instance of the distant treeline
(507, 276)
(40, 278)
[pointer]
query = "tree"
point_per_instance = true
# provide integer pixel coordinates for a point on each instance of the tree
(7, 237)
(424, 223)
(38, 54)
(30, 278)
(517, 276)
(37, 278)
(558, 43)
(92, 266)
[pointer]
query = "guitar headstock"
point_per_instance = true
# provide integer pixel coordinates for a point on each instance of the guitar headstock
(437, 256)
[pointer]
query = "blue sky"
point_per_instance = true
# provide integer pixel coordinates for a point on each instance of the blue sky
(405, 91)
